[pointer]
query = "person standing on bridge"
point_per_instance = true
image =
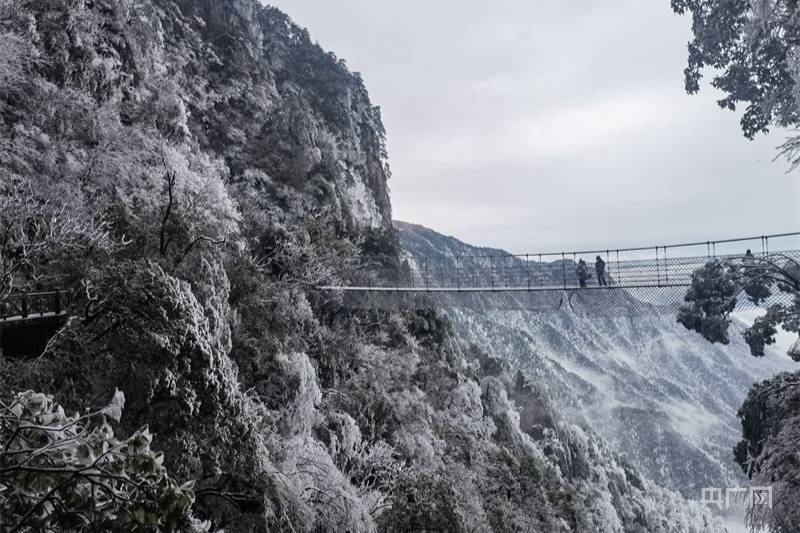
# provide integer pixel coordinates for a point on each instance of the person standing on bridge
(582, 272)
(748, 262)
(600, 268)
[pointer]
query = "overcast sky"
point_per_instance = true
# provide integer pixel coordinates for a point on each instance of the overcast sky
(531, 125)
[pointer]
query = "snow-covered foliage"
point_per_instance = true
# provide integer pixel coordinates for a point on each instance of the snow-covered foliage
(70, 473)
(717, 285)
(15, 58)
(35, 230)
(710, 301)
(751, 48)
(768, 452)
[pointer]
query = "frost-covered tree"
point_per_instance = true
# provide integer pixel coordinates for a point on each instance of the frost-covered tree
(772, 280)
(62, 472)
(36, 230)
(752, 48)
(16, 55)
(768, 451)
(195, 207)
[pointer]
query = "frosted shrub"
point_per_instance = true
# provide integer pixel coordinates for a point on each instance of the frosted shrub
(37, 231)
(717, 286)
(16, 55)
(61, 472)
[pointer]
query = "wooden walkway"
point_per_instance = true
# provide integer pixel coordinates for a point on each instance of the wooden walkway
(23, 306)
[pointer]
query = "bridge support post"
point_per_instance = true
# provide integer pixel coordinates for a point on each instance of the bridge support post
(540, 280)
(528, 269)
(658, 272)
(472, 267)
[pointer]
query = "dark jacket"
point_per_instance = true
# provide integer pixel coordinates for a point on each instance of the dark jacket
(600, 265)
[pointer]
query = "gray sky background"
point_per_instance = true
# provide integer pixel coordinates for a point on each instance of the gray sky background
(531, 125)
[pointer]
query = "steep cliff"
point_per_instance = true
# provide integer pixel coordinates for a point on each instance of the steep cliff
(241, 81)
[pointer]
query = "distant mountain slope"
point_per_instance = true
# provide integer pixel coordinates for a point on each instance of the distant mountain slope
(659, 393)
(421, 241)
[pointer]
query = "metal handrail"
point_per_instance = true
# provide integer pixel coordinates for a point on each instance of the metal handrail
(493, 272)
(567, 255)
(26, 307)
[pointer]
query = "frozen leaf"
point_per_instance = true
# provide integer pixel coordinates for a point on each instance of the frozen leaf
(114, 409)
(86, 455)
(36, 403)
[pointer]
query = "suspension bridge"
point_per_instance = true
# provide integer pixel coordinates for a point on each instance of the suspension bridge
(637, 280)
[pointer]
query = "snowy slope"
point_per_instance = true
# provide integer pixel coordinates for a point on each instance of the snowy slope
(659, 393)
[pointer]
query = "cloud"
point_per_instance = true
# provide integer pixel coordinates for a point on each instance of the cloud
(568, 129)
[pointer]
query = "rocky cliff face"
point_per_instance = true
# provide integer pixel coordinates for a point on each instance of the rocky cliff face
(241, 81)
(267, 98)
(661, 395)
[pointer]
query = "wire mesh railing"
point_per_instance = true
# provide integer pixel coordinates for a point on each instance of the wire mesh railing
(596, 282)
